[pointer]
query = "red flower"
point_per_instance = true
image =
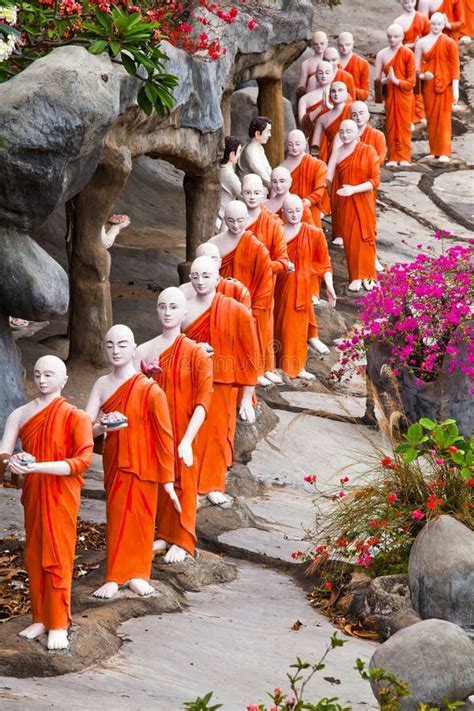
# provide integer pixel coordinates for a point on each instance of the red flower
(252, 24)
(417, 514)
(344, 480)
(374, 523)
(296, 554)
(470, 482)
(342, 543)
(341, 494)
(386, 461)
(392, 497)
(311, 478)
(328, 586)
(433, 502)
(453, 449)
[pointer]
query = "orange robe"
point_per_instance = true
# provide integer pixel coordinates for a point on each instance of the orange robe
(356, 214)
(399, 105)
(250, 263)
(360, 70)
(329, 133)
(307, 124)
(294, 314)
(418, 28)
(467, 28)
(454, 11)
(229, 327)
(235, 289)
(136, 459)
(309, 181)
(347, 79)
(268, 229)
(186, 379)
(443, 61)
(58, 432)
(375, 138)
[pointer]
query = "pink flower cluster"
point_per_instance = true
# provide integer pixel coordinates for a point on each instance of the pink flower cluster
(422, 310)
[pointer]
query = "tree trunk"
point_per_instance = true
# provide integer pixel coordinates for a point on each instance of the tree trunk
(270, 103)
(90, 313)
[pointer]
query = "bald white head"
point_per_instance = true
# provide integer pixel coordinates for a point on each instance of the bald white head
(360, 113)
(236, 217)
(437, 23)
(204, 275)
(209, 249)
(324, 73)
(120, 345)
(348, 131)
(280, 180)
(296, 142)
(345, 44)
(50, 375)
(253, 191)
(395, 35)
(292, 209)
(171, 308)
(319, 42)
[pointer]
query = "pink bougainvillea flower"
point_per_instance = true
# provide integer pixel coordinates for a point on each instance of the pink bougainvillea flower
(344, 480)
(252, 24)
(341, 494)
(417, 514)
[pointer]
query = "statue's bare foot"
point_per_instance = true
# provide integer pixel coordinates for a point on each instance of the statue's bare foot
(33, 631)
(106, 591)
(391, 164)
(140, 587)
(175, 555)
(338, 241)
(318, 345)
(405, 163)
(465, 39)
(217, 498)
(159, 546)
(305, 375)
(431, 156)
(369, 284)
(57, 639)
(378, 266)
(355, 285)
(261, 380)
(444, 159)
(273, 377)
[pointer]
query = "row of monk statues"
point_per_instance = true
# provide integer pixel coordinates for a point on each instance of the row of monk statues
(165, 415)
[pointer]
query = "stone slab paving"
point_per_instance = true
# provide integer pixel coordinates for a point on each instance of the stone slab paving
(234, 639)
(457, 190)
(333, 404)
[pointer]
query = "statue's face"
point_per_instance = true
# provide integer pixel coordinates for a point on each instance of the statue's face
(280, 182)
(204, 277)
(408, 5)
(253, 193)
(348, 132)
(50, 375)
(263, 136)
(394, 36)
(120, 346)
(345, 46)
(236, 219)
(296, 143)
(437, 23)
(360, 116)
(324, 74)
(319, 42)
(171, 308)
(234, 155)
(331, 55)
(338, 93)
(293, 211)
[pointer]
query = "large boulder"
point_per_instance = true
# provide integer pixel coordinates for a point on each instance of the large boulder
(435, 657)
(441, 572)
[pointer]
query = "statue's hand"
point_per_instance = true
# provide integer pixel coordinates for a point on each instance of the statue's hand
(150, 369)
(113, 421)
(247, 411)
(185, 452)
(346, 191)
(307, 202)
(169, 488)
(21, 463)
(427, 76)
(332, 298)
(291, 267)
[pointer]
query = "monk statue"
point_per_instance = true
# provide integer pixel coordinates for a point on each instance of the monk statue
(307, 80)
(230, 183)
(268, 229)
(57, 448)
(295, 324)
(331, 55)
(354, 176)
(315, 102)
(228, 327)
(138, 455)
(395, 69)
(115, 224)
(252, 158)
(354, 64)
(452, 11)
(308, 174)
(437, 64)
(325, 132)
(281, 184)
(415, 25)
(247, 259)
(183, 370)
(360, 114)
(228, 286)
(467, 28)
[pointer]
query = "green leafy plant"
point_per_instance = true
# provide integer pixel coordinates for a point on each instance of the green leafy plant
(202, 704)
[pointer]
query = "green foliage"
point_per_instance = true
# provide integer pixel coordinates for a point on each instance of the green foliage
(202, 704)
